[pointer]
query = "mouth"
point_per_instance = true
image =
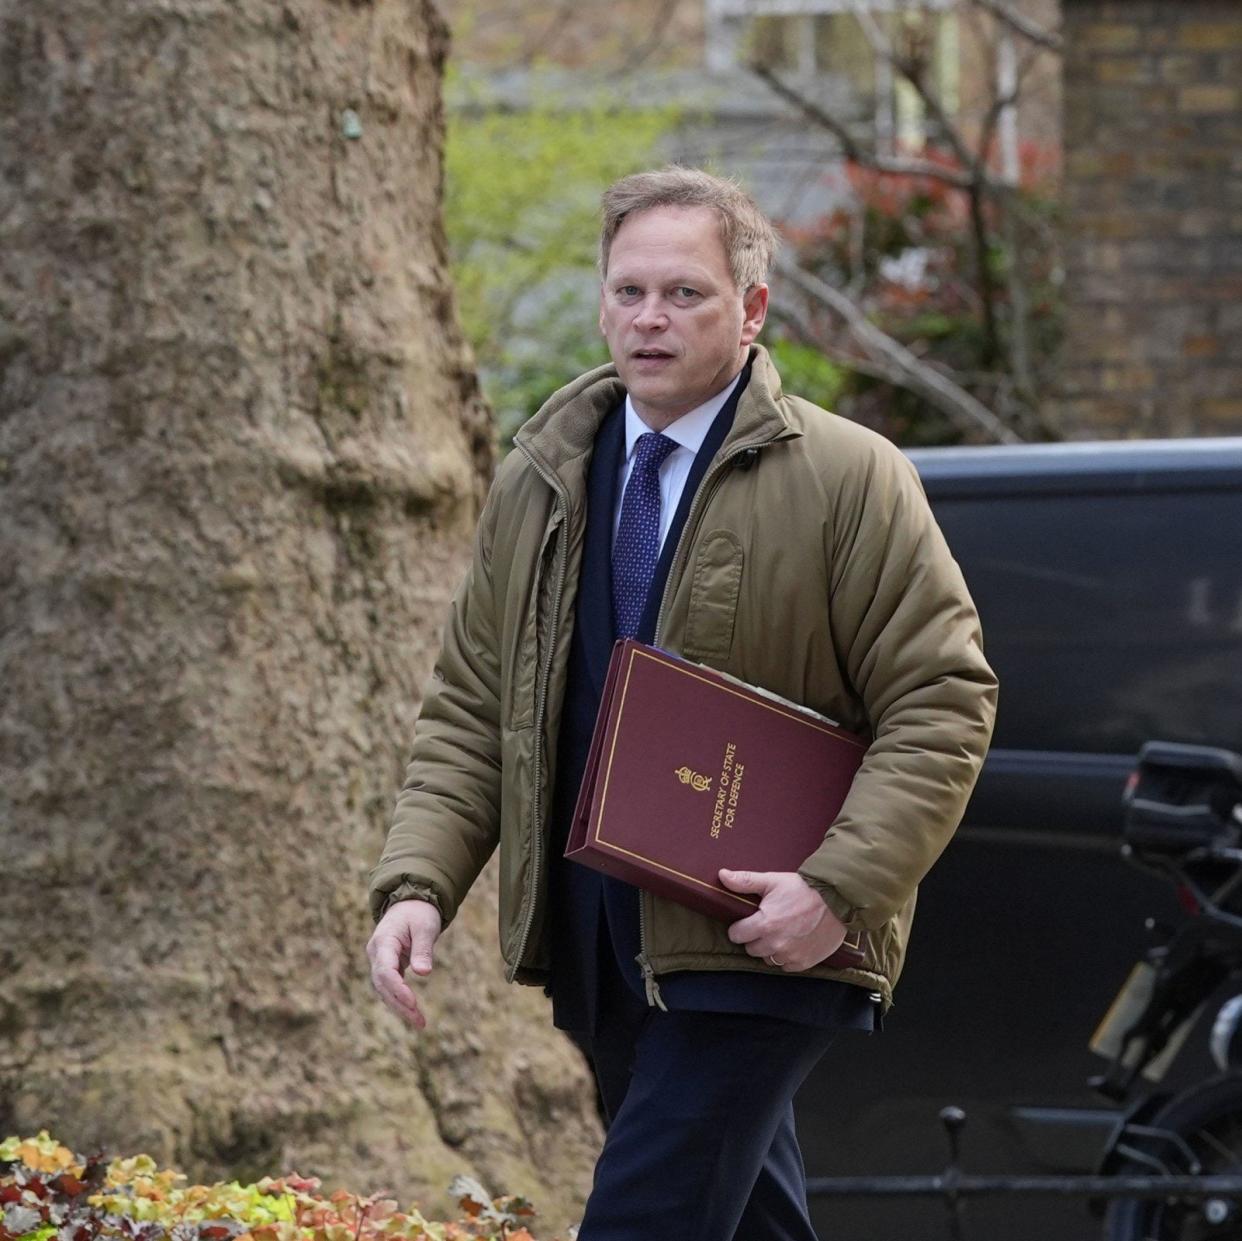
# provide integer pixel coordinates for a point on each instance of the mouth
(650, 355)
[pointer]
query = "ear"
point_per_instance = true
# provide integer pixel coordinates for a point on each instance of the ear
(755, 309)
(602, 332)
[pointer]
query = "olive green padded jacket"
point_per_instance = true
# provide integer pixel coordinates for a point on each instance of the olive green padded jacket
(818, 572)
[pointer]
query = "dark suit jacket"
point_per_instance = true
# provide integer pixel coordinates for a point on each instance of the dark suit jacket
(595, 919)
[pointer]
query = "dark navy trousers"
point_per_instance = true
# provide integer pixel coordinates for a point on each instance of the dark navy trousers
(699, 1107)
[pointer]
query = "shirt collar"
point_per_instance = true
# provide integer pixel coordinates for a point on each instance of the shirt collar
(690, 430)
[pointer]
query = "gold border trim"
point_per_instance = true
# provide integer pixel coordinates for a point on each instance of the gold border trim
(675, 666)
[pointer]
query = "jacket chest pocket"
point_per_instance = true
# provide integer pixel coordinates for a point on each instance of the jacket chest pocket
(715, 587)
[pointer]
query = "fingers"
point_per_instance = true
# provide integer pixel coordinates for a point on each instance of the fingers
(793, 929)
(791, 956)
(771, 917)
(391, 988)
(422, 948)
(801, 953)
(746, 880)
(387, 951)
(759, 935)
(747, 930)
(386, 948)
(405, 938)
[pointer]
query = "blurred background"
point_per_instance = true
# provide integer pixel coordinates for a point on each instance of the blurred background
(278, 283)
(1038, 204)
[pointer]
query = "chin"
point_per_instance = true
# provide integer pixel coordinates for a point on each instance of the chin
(660, 401)
(647, 393)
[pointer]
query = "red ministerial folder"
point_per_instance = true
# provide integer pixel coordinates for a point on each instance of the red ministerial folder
(690, 770)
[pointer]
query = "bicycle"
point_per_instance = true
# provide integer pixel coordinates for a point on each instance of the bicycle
(1172, 1168)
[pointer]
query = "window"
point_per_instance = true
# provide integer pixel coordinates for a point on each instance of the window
(804, 38)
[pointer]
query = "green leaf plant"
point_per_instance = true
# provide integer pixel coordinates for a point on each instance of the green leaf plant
(521, 211)
(46, 1190)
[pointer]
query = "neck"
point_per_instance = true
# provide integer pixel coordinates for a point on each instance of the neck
(655, 421)
(661, 420)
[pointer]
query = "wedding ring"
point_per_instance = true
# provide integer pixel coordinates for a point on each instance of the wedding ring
(774, 961)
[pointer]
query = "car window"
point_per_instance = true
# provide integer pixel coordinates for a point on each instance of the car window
(1110, 618)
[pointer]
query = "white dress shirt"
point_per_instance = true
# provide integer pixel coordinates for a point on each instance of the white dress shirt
(689, 431)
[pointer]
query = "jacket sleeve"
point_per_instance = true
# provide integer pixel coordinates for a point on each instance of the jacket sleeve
(907, 634)
(447, 816)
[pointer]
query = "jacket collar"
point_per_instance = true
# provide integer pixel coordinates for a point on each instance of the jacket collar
(560, 437)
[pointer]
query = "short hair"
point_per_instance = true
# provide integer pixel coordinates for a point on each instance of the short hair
(749, 239)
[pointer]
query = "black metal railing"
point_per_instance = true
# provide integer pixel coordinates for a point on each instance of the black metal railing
(954, 1186)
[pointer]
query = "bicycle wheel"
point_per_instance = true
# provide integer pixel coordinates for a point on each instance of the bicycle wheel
(1208, 1121)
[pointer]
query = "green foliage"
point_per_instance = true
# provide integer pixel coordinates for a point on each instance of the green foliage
(46, 1191)
(521, 209)
(807, 373)
(904, 245)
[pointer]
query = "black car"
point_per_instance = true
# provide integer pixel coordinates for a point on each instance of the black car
(1109, 581)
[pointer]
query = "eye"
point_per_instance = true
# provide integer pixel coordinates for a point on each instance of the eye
(686, 293)
(628, 290)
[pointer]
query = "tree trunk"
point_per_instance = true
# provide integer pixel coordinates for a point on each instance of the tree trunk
(242, 451)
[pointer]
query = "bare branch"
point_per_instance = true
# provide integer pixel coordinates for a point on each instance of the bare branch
(1048, 39)
(1020, 312)
(998, 103)
(977, 172)
(950, 398)
(850, 359)
(976, 169)
(655, 36)
(812, 111)
(539, 44)
(850, 146)
(872, 29)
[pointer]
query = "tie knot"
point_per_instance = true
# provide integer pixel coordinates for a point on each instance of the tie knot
(651, 450)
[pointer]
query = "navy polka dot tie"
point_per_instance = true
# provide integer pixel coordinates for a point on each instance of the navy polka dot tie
(638, 536)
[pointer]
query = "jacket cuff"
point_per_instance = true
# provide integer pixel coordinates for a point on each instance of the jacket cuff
(849, 915)
(407, 890)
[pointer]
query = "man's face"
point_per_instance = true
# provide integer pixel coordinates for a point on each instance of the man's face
(677, 327)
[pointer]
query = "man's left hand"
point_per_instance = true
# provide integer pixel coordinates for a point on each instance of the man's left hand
(793, 928)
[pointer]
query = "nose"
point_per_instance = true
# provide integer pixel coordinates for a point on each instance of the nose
(650, 315)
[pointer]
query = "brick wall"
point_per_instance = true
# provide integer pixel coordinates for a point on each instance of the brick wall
(1153, 183)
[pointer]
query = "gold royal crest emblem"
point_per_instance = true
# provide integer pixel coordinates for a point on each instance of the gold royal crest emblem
(699, 783)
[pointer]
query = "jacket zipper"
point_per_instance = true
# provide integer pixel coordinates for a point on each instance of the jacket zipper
(651, 985)
(541, 702)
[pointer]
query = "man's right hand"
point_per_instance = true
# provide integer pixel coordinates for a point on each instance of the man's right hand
(404, 938)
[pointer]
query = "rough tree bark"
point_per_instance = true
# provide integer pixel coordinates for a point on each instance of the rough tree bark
(241, 454)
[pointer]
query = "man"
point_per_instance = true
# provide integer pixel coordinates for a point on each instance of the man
(678, 496)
